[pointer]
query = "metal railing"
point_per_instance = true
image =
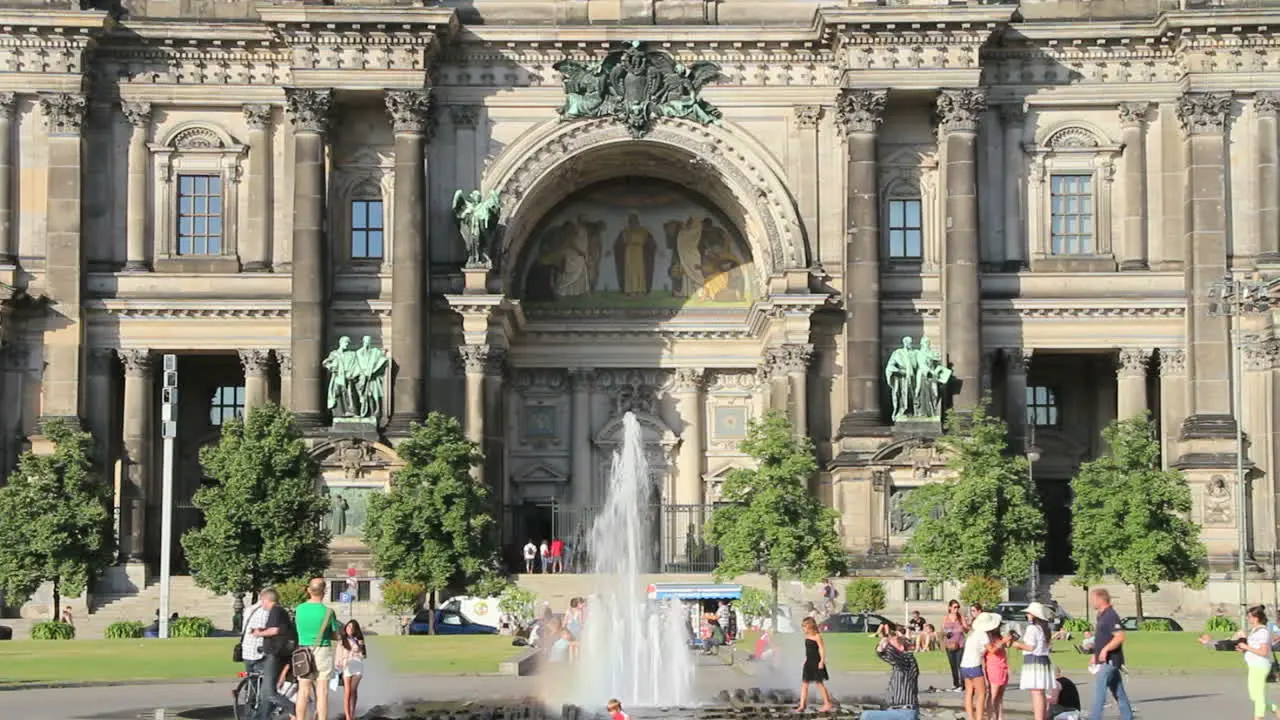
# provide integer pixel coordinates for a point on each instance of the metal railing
(679, 542)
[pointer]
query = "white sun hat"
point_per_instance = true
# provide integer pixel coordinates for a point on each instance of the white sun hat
(986, 622)
(1038, 611)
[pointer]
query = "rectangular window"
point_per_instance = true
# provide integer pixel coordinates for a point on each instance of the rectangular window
(199, 215)
(227, 403)
(1071, 215)
(366, 229)
(1042, 406)
(922, 591)
(906, 230)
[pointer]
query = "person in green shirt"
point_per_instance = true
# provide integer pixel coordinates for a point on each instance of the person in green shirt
(318, 629)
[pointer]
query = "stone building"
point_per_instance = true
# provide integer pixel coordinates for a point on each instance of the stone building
(1044, 190)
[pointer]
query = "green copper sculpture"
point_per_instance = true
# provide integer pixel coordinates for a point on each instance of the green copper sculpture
(357, 387)
(917, 379)
(477, 218)
(634, 86)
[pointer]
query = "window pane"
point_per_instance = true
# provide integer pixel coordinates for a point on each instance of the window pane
(375, 214)
(226, 403)
(913, 213)
(359, 214)
(915, 244)
(896, 214)
(1071, 214)
(375, 244)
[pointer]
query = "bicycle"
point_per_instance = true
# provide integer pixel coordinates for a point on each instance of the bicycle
(247, 695)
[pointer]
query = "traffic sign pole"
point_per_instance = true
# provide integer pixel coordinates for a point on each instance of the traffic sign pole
(168, 431)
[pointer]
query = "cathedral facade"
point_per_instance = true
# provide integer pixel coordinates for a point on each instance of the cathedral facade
(695, 211)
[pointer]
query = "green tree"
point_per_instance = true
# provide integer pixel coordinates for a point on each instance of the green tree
(263, 512)
(865, 595)
(433, 527)
(985, 519)
(55, 525)
(1129, 517)
(768, 521)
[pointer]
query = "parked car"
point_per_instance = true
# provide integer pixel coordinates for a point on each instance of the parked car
(448, 622)
(1014, 615)
(6, 632)
(1130, 623)
(853, 623)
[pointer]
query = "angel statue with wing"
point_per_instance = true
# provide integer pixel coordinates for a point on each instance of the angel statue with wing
(682, 87)
(477, 217)
(586, 87)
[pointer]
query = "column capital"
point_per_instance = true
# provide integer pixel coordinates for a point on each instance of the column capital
(1132, 362)
(1018, 359)
(309, 110)
(137, 113)
(257, 116)
(860, 111)
(1267, 104)
(580, 378)
(63, 112)
(467, 116)
(1204, 113)
(1133, 114)
(285, 360)
(138, 362)
(960, 110)
(410, 111)
(8, 102)
(687, 380)
(1173, 361)
(255, 362)
(788, 358)
(100, 360)
(807, 116)
(1013, 114)
(482, 359)
(1262, 355)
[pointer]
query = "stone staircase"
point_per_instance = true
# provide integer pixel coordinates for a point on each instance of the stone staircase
(185, 598)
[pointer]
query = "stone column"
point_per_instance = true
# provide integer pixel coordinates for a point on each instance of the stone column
(137, 259)
(410, 112)
(788, 368)
(1204, 119)
(808, 117)
(100, 414)
(1017, 363)
(284, 360)
(64, 258)
(465, 119)
(309, 110)
(1134, 254)
(858, 115)
(1266, 105)
(1131, 382)
(474, 358)
(256, 363)
(580, 474)
(255, 244)
(1173, 399)
(1013, 118)
(688, 386)
(139, 401)
(8, 237)
(958, 112)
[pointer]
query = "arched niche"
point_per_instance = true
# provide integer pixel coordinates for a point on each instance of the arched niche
(351, 470)
(637, 241)
(722, 163)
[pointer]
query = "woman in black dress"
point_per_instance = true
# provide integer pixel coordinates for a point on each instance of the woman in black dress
(815, 667)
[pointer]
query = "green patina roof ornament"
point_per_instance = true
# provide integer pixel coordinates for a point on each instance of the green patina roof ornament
(634, 86)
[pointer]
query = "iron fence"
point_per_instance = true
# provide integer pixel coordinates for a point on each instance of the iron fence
(678, 542)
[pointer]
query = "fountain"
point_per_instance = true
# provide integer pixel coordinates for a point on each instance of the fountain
(631, 649)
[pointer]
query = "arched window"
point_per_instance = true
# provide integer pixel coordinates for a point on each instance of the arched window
(199, 168)
(1071, 187)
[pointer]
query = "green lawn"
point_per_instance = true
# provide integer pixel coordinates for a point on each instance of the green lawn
(32, 661)
(1145, 654)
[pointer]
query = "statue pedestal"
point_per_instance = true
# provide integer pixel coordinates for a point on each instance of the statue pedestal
(917, 427)
(475, 280)
(365, 429)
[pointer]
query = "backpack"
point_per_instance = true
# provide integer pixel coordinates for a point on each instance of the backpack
(283, 643)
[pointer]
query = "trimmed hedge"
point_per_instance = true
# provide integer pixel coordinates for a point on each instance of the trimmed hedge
(191, 627)
(1220, 624)
(53, 630)
(124, 630)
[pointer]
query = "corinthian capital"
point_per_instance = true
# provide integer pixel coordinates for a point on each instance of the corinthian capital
(1266, 104)
(961, 109)
(137, 113)
(807, 116)
(686, 380)
(1133, 362)
(255, 362)
(137, 361)
(860, 111)
(1204, 113)
(1134, 113)
(1173, 361)
(63, 112)
(309, 110)
(8, 101)
(410, 110)
(257, 117)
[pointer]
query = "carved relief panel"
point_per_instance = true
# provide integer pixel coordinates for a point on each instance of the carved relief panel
(539, 415)
(731, 404)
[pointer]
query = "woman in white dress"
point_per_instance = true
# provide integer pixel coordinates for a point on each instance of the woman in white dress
(1037, 670)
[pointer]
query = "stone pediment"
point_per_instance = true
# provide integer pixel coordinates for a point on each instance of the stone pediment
(542, 473)
(356, 459)
(713, 481)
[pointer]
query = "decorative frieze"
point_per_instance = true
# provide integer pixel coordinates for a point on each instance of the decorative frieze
(1173, 362)
(137, 361)
(807, 116)
(1134, 114)
(255, 362)
(860, 111)
(309, 110)
(960, 110)
(1132, 362)
(1204, 113)
(63, 112)
(137, 113)
(257, 117)
(410, 110)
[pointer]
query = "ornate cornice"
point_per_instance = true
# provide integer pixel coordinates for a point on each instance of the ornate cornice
(1204, 113)
(1134, 114)
(137, 362)
(410, 111)
(1065, 311)
(257, 116)
(63, 112)
(860, 111)
(309, 110)
(255, 362)
(137, 113)
(1132, 362)
(960, 110)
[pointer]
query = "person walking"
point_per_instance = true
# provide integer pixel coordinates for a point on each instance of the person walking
(1258, 659)
(530, 554)
(953, 630)
(815, 667)
(1108, 657)
(349, 660)
(318, 629)
(903, 696)
(1037, 670)
(971, 665)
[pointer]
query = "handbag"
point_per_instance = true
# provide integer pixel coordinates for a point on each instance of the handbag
(303, 659)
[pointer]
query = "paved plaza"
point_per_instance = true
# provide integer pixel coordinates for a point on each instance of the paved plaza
(1168, 698)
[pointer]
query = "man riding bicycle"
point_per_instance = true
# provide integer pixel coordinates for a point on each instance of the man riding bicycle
(274, 646)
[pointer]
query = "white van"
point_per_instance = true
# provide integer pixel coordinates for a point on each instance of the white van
(482, 611)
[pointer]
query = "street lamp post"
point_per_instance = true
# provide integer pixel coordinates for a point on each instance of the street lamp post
(1033, 456)
(1234, 298)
